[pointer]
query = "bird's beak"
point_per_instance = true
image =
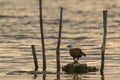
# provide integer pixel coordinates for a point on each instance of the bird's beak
(67, 46)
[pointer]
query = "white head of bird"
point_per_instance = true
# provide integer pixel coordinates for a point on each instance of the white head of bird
(70, 46)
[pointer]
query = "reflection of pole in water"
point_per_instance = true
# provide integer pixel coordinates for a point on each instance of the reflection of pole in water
(35, 75)
(44, 76)
(58, 76)
(102, 77)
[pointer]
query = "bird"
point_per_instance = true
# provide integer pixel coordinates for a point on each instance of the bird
(76, 53)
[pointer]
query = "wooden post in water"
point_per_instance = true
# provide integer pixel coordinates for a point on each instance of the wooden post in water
(35, 58)
(59, 41)
(104, 42)
(42, 36)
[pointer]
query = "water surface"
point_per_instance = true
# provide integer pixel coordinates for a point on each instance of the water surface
(82, 27)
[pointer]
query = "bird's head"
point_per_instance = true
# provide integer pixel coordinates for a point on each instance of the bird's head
(69, 46)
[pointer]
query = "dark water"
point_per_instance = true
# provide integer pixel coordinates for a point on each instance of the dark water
(82, 27)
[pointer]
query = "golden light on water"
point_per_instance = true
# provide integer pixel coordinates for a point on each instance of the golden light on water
(82, 27)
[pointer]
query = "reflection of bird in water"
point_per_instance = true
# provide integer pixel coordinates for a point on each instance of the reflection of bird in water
(77, 77)
(76, 53)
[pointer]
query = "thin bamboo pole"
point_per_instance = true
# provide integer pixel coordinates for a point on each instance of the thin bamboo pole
(42, 36)
(35, 58)
(59, 42)
(104, 42)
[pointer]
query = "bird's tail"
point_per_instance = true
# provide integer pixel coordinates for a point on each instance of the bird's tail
(84, 54)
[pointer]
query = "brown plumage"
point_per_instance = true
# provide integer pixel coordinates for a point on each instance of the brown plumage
(76, 53)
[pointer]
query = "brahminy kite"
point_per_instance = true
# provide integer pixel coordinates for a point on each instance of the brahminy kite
(76, 53)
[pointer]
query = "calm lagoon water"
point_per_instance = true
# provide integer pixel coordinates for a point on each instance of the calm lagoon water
(82, 27)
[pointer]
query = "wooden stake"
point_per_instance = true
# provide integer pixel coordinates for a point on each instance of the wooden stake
(35, 58)
(104, 41)
(42, 36)
(59, 41)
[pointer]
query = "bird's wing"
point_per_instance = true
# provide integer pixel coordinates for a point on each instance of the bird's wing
(76, 52)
